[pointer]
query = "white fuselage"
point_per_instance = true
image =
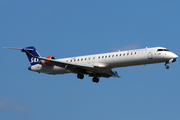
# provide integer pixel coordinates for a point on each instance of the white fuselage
(111, 60)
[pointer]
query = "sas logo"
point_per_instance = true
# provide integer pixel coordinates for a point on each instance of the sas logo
(34, 60)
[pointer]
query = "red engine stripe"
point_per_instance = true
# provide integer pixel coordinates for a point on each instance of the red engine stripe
(47, 62)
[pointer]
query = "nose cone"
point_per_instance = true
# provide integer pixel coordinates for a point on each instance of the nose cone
(175, 56)
(29, 68)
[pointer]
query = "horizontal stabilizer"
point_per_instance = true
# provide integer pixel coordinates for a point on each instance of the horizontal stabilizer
(30, 52)
(16, 48)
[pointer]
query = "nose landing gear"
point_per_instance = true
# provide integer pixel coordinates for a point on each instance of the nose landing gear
(166, 66)
(167, 62)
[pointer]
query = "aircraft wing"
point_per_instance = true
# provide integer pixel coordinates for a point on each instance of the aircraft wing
(65, 64)
(111, 73)
(83, 68)
(105, 73)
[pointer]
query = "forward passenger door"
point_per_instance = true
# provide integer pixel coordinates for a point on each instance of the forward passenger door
(150, 54)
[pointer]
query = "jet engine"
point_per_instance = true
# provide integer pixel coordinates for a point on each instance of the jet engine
(46, 63)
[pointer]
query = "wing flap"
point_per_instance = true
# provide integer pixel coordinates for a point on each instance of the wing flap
(105, 73)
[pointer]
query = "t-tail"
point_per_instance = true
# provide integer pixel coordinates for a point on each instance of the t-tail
(30, 52)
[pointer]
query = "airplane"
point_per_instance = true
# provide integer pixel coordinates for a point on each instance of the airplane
(97, 65)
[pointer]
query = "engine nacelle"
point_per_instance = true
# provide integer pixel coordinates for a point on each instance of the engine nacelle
(46, 63)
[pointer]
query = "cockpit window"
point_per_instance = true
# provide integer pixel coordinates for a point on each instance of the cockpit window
(162, 50)
(166, 50)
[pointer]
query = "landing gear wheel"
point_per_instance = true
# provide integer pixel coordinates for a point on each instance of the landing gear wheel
(95, 79)
(80, 76)
(167, 67)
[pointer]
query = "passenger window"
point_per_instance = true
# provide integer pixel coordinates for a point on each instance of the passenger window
(71, 60)
(99, 57)
(105, 56)
(131, 53)
(85, 58)
(112, 55)
(127, 53)
(120, 55)
(82, 59)
(78, 60)
(102, 56)
(109, 55)
(116, 55)
(124, 54)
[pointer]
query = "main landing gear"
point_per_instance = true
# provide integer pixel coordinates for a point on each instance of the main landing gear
(95, 79)
(81, 76)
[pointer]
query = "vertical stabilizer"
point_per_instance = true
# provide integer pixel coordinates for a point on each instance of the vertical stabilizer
(30, 52)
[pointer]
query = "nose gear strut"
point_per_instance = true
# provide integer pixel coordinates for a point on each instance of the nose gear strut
(167, 66)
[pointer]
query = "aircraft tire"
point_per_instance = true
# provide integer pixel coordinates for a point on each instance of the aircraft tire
(167, 67)
(95, 79)
(80, 76)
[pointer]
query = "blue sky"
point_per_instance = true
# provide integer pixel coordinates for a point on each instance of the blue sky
(65, 28)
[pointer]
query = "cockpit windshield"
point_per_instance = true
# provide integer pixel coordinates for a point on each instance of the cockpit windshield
(166, 50)
(162, 50)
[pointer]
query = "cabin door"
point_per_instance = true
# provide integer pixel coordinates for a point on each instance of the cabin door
(150, 55)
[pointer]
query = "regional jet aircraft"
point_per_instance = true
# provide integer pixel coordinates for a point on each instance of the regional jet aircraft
(97, 65)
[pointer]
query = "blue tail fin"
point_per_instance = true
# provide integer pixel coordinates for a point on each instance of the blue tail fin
(31, 51)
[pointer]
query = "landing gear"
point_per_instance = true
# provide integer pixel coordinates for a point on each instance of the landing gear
(95, 79)
(166, 66)
(80, 76)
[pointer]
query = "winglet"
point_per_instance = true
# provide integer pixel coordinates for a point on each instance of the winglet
(116, 74)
